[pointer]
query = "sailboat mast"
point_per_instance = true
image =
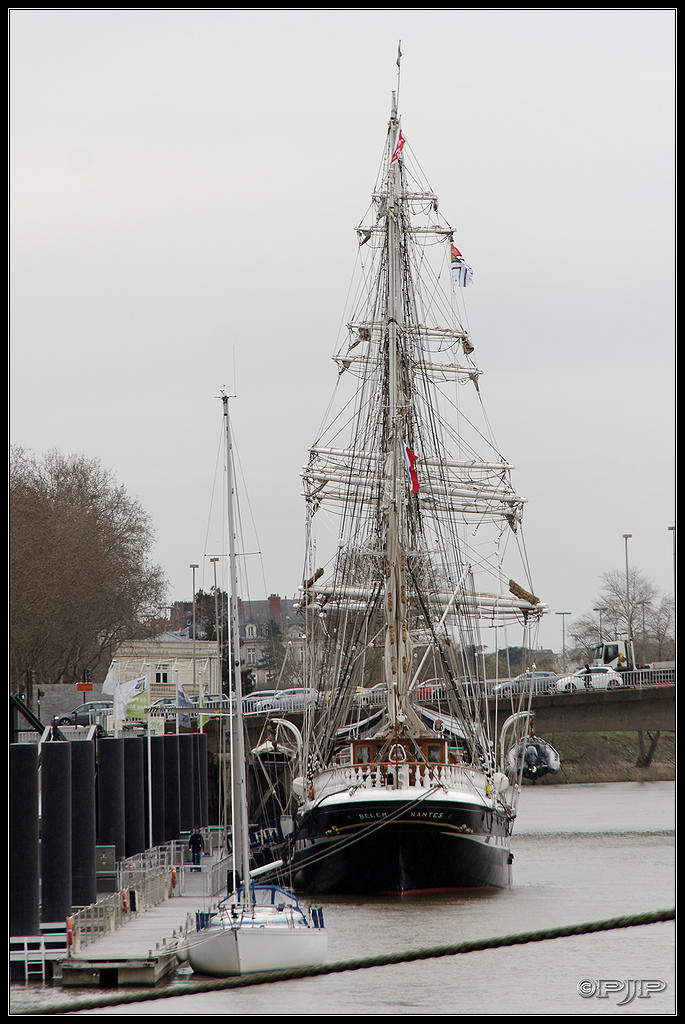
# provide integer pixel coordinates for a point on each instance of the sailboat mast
(241, 843)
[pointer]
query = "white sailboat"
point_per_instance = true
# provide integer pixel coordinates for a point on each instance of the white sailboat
(257, 927)
(418, 801)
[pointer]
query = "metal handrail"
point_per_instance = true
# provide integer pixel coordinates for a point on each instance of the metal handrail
(148, 875)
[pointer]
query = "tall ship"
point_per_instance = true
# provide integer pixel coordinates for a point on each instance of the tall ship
(411, 518)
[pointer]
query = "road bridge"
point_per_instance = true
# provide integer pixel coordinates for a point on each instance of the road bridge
(626, 710)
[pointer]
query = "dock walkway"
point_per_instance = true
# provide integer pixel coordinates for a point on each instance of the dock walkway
(143, 949)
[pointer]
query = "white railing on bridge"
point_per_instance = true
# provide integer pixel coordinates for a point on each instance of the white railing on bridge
(649, 677)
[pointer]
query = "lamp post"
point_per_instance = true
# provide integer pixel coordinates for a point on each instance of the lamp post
(563, 636)
(626, 537)
(600, 610)
(218, 638)
(194, 567)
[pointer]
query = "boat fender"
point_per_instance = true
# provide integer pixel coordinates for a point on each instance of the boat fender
(311, 791)
(124, 900)
(182, 949)
(501, 782)
(173, 878)
(298, 786)
(70, 931)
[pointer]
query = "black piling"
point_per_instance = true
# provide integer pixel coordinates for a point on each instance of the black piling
(134, 794)
(172, 805)
(156, 789)
(111, 828)
(186, 786)
(24, 886)
(200, 795)
(55, 832)
(83, 830)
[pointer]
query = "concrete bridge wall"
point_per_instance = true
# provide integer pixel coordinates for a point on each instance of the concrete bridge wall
(627, 710)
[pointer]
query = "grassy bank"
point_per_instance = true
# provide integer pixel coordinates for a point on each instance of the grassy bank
(609, 757)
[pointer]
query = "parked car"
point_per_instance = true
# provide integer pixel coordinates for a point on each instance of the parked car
(592, 678)
(430, 689)
(371, 696)
(165, 702)
(169, 706)
(92, 712)
(539, 682)
(475, 687)
(215, 700)
(296, 698)
(258, 701)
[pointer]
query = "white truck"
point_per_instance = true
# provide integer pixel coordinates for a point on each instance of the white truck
(620, 655)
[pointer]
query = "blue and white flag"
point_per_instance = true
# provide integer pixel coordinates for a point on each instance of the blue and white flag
(462, 273)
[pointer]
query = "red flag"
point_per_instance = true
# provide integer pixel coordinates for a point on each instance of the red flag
(409, 460)
(398, 147)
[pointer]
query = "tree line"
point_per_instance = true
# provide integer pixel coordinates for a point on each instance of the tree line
(81, 578)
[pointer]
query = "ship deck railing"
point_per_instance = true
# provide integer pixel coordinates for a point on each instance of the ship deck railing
(408, 774)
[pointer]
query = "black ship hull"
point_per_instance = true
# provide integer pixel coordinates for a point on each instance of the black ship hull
(399, 846)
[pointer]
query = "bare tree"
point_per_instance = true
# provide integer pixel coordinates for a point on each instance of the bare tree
(628, 607)
(631, 607)
(659, 631)
(80, 572)
(623, 598)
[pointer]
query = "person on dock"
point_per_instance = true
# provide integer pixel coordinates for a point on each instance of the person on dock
(196, 845)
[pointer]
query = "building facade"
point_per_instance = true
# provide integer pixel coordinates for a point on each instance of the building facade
(271, 646)
(170, 660)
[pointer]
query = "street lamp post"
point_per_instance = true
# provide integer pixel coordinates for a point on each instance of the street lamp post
(600, 610)
(194, 567)
(626, 537)
(563, 636)
(216, 613)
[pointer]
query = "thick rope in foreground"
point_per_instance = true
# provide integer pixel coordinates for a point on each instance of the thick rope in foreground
(217, 985)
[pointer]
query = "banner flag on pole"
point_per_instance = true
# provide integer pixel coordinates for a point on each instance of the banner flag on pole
(133, 692)
(111, 680)
(183, 702)
(409, 460)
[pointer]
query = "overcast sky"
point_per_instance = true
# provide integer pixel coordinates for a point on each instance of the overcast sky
(184, 190)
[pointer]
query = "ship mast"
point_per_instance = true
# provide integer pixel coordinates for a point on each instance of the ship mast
(397, 644)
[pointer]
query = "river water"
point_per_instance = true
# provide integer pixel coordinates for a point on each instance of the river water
(581, 854)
